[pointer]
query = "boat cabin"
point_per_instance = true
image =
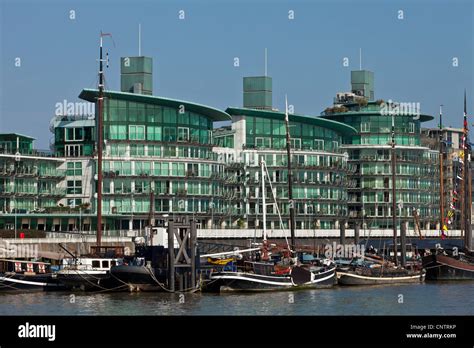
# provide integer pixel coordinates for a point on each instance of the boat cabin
(96, 264)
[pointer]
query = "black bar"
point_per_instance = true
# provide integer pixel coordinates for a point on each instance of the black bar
(263, 330)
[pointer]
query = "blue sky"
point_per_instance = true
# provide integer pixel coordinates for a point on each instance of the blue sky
(193, 58)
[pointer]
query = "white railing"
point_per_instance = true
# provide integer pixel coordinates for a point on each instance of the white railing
(72, 239)
(127, 236)
(318, 233)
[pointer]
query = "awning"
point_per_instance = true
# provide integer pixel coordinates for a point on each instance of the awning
(52, 255)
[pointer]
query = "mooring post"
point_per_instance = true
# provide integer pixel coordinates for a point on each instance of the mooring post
(342, 235)
(193, 252)
(356, 233)
(403, 242)
(171, 256)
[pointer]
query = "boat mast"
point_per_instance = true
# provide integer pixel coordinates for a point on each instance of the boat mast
(290, 176)
(394, 203)
(263, 169)
(100, 101)
(467, 179)
(264, 203)
(441, 184)
(99, 145)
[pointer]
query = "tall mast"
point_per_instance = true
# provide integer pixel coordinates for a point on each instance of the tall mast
(441, 179)
(264, 203)
(467, 179)
(290, 176)
(394, 203)
(100, 101)
(99, 145)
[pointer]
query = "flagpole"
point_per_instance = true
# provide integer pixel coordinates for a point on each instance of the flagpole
(467, 186)
(441, 179)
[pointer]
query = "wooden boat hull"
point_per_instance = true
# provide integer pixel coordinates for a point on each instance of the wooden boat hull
(37, 282)
(442, 267)
(352, 278)
(245, 281)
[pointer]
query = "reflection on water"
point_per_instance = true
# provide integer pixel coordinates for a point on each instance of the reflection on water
(449, 298)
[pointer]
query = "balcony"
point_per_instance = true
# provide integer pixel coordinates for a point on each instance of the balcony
(55, 192)
(57, 173)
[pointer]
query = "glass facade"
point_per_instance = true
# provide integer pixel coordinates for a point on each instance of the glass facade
(163, 155)
(320, 170)
(127, 120)
(164, 150)
(29, 183)
(417, 174)
(270, 133)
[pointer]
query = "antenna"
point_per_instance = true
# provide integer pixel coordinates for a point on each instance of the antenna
(265, 61)
(360, 58)
(139, 39)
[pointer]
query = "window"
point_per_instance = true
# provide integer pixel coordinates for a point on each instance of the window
(263, 142)
(73, 150)
(194, 135)
(365, 127)
(95, 264)
(169, 134)
(74, 202)
(411, 127)
(118, 132)
(318, 144)
(74, 168)
(142, 168)
(154, 150)
(295, 143)
(74, 134)
(136, 132)
(118, 150)
(169, 151)
(209, 136)
(137, 150)
(178, 169)
(183, 134)
(169, 116)
(74, 187)
(122, 168)
(154, 133)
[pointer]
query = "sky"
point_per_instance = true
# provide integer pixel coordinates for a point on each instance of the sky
(414, 58)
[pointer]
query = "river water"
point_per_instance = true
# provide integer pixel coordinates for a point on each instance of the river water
(448, 298)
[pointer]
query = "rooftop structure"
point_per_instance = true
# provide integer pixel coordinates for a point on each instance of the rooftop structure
(417, 173)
